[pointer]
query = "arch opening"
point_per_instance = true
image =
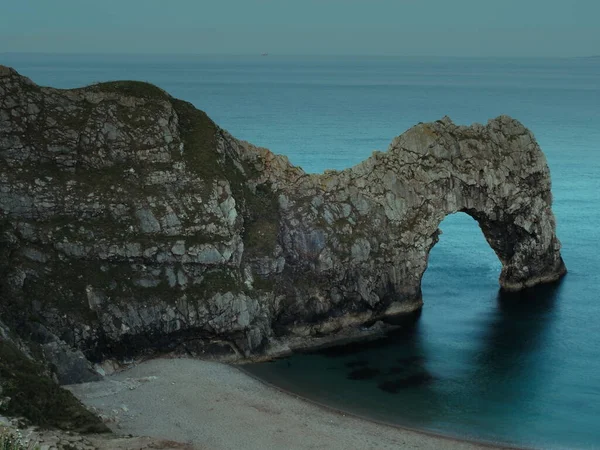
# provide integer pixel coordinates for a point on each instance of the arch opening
(524, 245)
(462, 255)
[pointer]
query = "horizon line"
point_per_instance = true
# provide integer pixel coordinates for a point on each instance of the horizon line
(294, 55)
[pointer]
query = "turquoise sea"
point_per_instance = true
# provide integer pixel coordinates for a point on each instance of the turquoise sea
(523, 370)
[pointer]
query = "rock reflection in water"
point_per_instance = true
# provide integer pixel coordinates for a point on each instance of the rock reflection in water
(359, 363)
(415, 380)
(411, 360)
(364, 373)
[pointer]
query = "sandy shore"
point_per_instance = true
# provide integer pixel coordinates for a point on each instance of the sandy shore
(214, 406)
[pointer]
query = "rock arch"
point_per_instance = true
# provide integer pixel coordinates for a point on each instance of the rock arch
(372, 226)
(130, 221)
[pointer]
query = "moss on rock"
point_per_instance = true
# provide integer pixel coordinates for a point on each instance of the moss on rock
(199, 136)
(138, 89)
(262, 225)
(34, 396)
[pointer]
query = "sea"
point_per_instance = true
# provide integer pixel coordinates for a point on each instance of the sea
(521, 370)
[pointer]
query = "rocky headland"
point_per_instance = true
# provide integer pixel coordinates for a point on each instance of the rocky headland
(131, 224)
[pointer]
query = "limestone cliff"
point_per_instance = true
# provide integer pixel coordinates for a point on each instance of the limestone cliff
(131, 222)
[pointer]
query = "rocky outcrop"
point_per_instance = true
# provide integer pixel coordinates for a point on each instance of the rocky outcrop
(53, 439)
(28, 392)
(131, 222)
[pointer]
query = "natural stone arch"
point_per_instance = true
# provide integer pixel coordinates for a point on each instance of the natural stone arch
(499, 176)
(130, 221)
(369, 229)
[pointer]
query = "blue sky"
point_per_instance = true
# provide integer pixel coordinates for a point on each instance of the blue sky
(308, 27)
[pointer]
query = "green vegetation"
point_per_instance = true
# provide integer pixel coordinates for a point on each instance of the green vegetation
(64, 287)
(13, 441)
(37, 398)
(199, 135)
(263, 284)
(138, 89)
(262, 224)
(260, 237)
(219, 280)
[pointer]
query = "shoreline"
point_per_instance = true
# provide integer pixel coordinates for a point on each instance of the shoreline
(334, 410)
(213, 405)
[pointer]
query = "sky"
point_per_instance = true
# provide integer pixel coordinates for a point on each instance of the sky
(471, 28)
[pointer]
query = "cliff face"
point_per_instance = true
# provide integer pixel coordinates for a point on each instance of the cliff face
(130, 221)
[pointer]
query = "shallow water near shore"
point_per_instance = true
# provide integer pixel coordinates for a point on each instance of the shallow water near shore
(523, 370)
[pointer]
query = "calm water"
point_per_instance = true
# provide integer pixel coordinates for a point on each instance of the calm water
(525, 370)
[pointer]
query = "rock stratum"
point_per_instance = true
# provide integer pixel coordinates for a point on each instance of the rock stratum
(131, 223)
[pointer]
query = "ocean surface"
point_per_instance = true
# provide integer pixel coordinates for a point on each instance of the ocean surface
(522, 371)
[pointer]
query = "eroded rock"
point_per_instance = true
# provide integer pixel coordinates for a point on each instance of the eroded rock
(131, 222)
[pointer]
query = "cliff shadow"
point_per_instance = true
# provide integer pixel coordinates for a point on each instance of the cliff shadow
(509, 366)
(406, 329)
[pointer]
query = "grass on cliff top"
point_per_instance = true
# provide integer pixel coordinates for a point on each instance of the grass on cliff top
(37, 398)
(199, 133)
(138, 89)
